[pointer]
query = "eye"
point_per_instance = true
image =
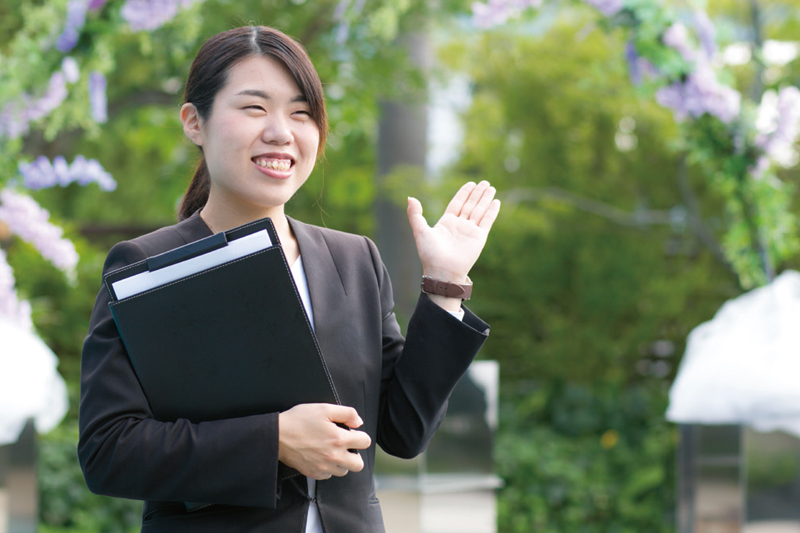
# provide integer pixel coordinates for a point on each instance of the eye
(256, 107)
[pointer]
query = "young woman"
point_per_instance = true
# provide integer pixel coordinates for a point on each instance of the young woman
(254, 107)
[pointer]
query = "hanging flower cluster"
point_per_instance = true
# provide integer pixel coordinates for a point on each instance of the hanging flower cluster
(638, 67)
(28, 220)
(608, 8)
(76, 18)
(495, 12)
(11, 307)
(42, 174)
(778, 127)
(700, 92)
(16, 117)
(97, 97)
(152, 14)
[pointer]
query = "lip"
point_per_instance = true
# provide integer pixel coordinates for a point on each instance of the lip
(272, 173)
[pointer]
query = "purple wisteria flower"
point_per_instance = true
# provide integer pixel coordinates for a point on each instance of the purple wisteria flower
(70, 69)
(41, 174)
(76, 18)
(97, 97)
(638, 67)
(96, 5)
(28, 220)
(152, 14)
(495, 12)
(701, 93)
(677, 37)
(56, 93)
(608, 8)
(15, 117)
(11, 307)
(707, 33)
(778, 126)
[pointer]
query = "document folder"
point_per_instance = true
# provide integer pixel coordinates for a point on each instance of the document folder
(216, 329)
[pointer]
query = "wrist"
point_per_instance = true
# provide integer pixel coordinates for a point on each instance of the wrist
(446, 275)
(447, 289)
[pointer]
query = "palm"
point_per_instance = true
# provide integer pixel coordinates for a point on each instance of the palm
(452, 246)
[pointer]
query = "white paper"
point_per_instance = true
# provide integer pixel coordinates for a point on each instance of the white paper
(235, 249)
(742, 367)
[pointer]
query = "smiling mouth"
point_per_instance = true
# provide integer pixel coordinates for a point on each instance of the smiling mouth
(279, 164)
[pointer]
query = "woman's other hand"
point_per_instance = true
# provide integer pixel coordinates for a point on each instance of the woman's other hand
(449, 249)
(310, 441)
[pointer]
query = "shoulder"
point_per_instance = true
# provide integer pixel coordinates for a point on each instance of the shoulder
(156, 242)
(336, 241)
(169, 237)
(348, 250)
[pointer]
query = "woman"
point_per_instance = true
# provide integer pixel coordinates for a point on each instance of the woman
(254, 107)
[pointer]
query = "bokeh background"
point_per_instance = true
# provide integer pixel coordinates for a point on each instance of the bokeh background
(625, 223)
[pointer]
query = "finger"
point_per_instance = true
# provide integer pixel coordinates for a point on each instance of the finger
(344, 415)
(351, 462)
(356, 440)
(415, 218)
(473, 199)
(457, 203)
(340, 471)
(483, 205)
(490, 216)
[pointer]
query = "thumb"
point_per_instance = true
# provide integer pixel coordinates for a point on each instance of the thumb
(415, 218)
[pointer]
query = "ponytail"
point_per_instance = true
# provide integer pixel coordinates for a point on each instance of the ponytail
(197, 194)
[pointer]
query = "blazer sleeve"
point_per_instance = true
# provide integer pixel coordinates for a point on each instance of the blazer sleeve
(420, 372)
(125, 452)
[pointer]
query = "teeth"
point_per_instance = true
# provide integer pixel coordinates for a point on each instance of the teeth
(275, 164)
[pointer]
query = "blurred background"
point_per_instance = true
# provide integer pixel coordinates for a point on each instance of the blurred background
(629, 215)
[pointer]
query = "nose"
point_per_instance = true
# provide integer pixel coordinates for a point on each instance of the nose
(276, 130)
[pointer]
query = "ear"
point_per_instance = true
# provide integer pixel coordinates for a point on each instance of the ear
(192, 123)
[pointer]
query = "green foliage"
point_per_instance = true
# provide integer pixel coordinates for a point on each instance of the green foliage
(586, 459)
(66, 505)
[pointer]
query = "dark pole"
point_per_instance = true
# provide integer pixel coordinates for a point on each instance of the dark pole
(402, 144)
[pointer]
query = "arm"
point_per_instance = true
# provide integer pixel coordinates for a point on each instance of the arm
(420, 372)
(125, 452)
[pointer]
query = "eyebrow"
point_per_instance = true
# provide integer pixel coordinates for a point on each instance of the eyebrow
(265, 96)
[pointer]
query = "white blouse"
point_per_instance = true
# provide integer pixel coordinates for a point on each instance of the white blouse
(313, 521)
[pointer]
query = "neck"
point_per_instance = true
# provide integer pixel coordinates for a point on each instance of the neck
(222, 218)
(219, 217)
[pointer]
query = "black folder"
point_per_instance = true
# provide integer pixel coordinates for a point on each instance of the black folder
(230, 341)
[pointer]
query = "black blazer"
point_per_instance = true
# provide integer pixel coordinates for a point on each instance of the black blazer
(398, 386)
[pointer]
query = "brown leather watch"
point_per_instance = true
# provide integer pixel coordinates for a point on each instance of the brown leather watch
(445, 288)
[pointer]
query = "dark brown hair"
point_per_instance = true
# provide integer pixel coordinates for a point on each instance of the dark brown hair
(209, 73)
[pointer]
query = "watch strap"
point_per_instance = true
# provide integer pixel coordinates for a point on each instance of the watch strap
(446, 288)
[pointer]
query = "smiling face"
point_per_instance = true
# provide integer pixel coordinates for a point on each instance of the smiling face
(259, 142)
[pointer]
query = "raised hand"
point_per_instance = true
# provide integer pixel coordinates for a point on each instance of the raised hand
(449, 249)
(310, 441)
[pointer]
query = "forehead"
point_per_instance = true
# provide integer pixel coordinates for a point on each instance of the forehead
(261, 73)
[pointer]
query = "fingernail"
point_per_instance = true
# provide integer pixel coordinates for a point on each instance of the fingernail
(360, 422)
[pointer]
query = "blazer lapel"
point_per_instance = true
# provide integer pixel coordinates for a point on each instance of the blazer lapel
(324, 283)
